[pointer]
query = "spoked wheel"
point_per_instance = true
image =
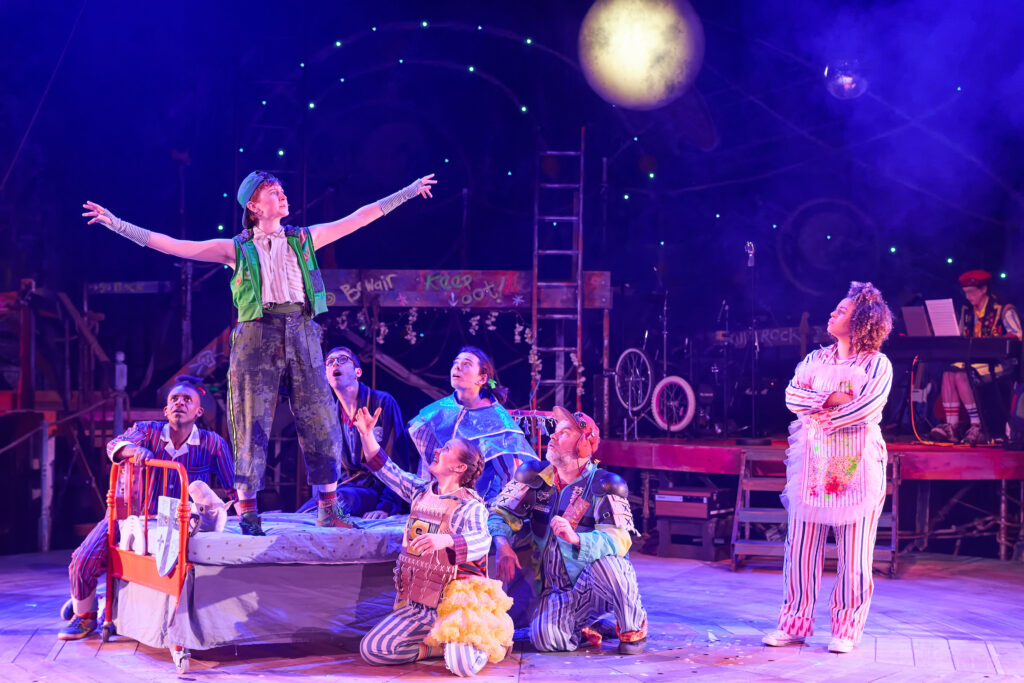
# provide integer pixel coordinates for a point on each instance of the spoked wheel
(673, 403)
(633, 379)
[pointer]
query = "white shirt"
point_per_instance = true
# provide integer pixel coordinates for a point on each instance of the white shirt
(280, 275)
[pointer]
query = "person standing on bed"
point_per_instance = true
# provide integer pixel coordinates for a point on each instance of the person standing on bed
(277, 288)
(360, 492)
(202, 452)
(445, 605)
(474, 412)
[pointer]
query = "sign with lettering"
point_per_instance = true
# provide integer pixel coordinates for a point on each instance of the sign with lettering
(490, 289)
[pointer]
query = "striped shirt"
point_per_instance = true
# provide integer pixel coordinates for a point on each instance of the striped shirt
(204, 454)
(867, 404)
(280, 275)
(471, 538)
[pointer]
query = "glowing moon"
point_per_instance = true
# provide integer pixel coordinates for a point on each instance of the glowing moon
(641, 54)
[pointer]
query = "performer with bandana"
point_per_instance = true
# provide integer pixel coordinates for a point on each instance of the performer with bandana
(985, 315)
(579, 522)
(835, 469)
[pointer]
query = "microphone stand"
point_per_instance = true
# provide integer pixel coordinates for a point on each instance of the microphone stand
(755, 351)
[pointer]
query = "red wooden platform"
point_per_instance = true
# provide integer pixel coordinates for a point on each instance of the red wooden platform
(917, 461)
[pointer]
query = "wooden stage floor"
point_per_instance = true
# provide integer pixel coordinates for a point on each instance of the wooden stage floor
(943, 618)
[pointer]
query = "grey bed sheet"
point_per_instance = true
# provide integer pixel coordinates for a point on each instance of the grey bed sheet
(294, 538)
(297, 583)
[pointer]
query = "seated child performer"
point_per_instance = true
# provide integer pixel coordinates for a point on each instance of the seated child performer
(446, 604)
(360, 492)
(474, 412)
(202, 452)
(579, 521)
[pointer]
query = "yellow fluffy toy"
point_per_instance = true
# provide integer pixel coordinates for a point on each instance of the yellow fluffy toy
(474, 611)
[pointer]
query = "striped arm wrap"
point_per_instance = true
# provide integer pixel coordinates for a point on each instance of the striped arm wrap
(393, 201)
(133, 232)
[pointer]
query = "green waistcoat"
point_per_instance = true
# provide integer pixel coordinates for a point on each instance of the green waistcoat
(246, 283)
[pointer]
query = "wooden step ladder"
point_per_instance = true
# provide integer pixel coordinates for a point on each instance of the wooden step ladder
(763, 470)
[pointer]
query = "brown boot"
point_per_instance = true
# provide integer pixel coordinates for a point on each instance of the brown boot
(333, 516)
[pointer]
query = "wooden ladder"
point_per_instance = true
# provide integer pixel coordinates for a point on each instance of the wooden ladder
(763, 470)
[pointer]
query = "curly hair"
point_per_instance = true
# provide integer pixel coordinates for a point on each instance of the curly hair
(871, 320)
(470, 456)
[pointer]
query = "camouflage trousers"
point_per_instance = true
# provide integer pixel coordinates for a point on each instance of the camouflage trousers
(280, 348)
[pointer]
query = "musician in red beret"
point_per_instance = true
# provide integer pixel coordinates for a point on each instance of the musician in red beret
(985, 315)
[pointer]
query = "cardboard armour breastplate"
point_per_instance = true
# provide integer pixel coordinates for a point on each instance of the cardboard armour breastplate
(423, 578)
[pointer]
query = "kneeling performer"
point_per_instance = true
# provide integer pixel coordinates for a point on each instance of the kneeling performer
(580, 525)
(446, 604)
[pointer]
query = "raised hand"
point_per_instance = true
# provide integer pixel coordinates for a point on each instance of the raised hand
(97, 214)
(425, 185)
(364, 422)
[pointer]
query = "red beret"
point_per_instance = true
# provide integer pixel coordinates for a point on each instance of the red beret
(975, 278)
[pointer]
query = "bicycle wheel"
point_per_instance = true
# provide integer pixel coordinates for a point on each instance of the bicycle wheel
(633, 379)
(673, 403)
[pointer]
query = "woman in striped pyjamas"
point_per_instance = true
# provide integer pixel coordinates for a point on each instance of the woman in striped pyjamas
(835, 470)
(446, 605)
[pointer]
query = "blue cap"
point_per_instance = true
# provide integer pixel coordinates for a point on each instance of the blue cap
(248, 188)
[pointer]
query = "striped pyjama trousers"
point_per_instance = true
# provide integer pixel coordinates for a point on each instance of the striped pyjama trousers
(851, 596)
(608, 584)
(399, 637)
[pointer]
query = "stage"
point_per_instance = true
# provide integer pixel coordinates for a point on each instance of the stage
(944, 618)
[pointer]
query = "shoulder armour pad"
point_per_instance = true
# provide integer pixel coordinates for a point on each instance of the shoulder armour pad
(532, 473)
(609, 483)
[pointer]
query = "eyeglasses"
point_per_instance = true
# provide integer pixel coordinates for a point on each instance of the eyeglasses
(339, 361)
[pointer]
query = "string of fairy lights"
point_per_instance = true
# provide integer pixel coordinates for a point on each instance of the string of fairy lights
(649, 189)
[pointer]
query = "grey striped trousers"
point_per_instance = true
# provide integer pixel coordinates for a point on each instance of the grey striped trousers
(609, 584)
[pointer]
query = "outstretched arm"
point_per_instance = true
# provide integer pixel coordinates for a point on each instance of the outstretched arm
(214, 251)
(325, 233)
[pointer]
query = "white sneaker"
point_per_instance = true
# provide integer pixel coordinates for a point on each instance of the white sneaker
(778, 638)
(840, 645)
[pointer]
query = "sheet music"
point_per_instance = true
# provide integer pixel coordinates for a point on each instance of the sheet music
(943, 317)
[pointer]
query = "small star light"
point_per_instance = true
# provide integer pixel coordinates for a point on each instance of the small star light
(472, 68)
(892, 250)
(424, 24)
(510, 172)
(774, 226)
(302, 65)
(373, 28)
(280, 152)
(651, 175)
(718, 215)
(625, 196)
(479, 28)
(949, 260)
(401, 61)
(240, 150)
(635, 139)
(662, 243)
(828, 237)
(529, 41)
(523, 108)
(264, 103)
(337, 43)
(220, 227)
(341, 80)
(446, 160)
(312, 105)
(1002, 276)
(225, 194)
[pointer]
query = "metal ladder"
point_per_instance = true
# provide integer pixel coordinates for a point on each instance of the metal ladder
(557, 305)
